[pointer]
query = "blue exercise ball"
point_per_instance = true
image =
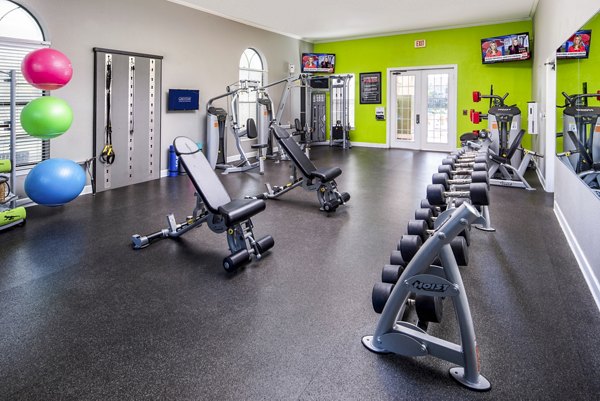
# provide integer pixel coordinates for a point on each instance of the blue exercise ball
(55, 182)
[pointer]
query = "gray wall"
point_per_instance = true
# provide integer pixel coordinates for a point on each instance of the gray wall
(201, 51)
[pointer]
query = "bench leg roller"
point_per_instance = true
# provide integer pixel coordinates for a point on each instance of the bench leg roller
(265, 243)
(235, 260)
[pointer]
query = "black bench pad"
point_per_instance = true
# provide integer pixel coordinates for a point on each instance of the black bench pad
(239, 210)
(326, 174)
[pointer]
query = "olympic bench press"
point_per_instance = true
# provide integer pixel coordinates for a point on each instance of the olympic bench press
(215, 208)
(313, 179)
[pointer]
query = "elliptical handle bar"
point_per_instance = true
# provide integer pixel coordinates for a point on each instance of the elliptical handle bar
(572, 100)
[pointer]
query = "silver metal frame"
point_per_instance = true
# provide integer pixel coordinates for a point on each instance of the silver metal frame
(10, 202)
(244, 164)
(392, 335)
(339, 87)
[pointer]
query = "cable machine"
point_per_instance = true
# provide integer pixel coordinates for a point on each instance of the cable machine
(266, 117)
(339, 106)
(10, 214)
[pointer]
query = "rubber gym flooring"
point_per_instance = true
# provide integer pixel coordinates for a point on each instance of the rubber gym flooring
(86, 317)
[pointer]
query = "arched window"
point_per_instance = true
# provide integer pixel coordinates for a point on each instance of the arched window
(20, 34)
(251, 69)
(18, 23)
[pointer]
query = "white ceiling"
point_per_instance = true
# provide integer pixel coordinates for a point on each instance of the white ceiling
(323, 20)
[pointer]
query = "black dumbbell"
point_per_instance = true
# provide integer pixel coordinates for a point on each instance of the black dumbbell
(429, 309)
(396, 259)
(477, 157)
(468, 153)
(409, 245)
(435, 210)
(468, 160)
(457, 164)
(420, 228)
(380, 295)
(445, 168)
(477, 193)
(476, 176)
(426, 215)
(391, 273)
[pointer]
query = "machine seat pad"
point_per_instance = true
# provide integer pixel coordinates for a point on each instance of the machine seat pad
(326, 174)
(239, 210)
(300, 159)
(468, 136)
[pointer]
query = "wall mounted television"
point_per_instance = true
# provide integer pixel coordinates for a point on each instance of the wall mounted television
(183, 99)
(318, 62)
(577, 46)
(500, 49)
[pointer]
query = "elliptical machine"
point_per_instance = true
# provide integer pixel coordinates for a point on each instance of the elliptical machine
(581, 145)
(216, 141)
(508, 160)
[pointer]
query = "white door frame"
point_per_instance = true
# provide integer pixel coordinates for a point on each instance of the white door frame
(453, 95)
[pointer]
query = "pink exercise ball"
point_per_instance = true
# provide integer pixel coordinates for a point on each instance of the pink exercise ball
(47, 69)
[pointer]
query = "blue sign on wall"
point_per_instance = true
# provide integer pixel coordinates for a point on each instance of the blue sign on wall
(184, 99)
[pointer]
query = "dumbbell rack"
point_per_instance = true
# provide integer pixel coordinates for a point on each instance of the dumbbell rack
(10, 214)
(392, 335)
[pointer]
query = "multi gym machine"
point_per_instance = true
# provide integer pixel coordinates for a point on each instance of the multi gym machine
(581, 144)
(266, 117)
(216, 127)
(339, 102)
(509, 160)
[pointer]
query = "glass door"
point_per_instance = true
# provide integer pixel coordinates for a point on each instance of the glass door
(424, 109)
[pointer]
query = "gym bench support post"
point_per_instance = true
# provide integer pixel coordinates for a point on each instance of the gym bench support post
(392, 335)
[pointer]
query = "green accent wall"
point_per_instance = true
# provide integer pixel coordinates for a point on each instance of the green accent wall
(453, 46)
(571, 74)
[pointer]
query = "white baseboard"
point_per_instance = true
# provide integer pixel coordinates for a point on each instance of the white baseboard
(540, 176)
(164, 173)
(584, 265)
(369, 145)
(236, 158)
(86, 190)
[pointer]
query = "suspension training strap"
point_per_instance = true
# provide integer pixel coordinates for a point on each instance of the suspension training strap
(108, 154)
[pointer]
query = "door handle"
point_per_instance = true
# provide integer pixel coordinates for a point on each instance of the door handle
(418, 118)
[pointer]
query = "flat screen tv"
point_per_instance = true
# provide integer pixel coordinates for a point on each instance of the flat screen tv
(577, 46)
(318, 62)
(183, 99)
(500, 49)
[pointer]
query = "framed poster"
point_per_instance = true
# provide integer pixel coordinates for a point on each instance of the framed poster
(370, 88)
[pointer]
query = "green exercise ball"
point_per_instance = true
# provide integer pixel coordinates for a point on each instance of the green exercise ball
(46, 117)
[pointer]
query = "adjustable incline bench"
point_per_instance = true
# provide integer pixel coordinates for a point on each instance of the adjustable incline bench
(313, 179)
(215, 208)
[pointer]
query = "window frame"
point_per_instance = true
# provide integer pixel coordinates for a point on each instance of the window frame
(9, 47)
(250, 99)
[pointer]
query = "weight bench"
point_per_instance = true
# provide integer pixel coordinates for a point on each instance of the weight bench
(501, 171)
(215, 208)
(313, 179)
